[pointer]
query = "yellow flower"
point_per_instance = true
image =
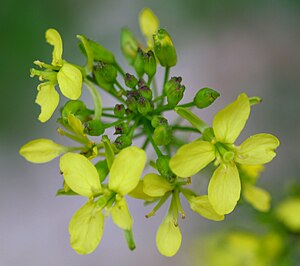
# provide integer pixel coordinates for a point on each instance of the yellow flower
(288, 212)
(225, 186)
(80, 175)
(67, 76)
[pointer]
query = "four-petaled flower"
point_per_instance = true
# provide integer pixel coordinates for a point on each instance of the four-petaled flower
(81, 176)
(67, 76)
(225, 185)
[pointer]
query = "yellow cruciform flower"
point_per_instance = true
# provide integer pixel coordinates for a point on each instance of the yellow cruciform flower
(68, 77)
(225, 186)
(86, 226)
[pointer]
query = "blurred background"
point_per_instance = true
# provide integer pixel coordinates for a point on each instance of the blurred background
(232, 46)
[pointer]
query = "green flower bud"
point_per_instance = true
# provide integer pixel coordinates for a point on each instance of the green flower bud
(99, 52)
(119, 110)
(141, 82)
(205, 97)
(129, 45)
(175, 95)
(131, 103)
(144, 106)
(149, 63)
(158, 120)
(101, 75)
(162, 164)
(164, 48)
(139, 62)
(102, 169)
(107, 72)
(171, 84)
(122, 128)
(162, 135)
(123, 141)
(74, 107)
(145, 92)
(94, 128)
(130, 81)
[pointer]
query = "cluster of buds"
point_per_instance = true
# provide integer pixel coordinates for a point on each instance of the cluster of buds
(139, 113)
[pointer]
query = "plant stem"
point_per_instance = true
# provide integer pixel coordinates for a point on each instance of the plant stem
(96, 99)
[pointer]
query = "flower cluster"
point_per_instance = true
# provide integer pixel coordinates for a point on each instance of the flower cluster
(139, 113)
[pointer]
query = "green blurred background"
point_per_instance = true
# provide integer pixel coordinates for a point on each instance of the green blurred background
(231, 46)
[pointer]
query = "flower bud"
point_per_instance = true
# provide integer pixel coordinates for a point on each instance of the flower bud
(76, 108)
(174, 82)
(145, 92)
(162, 135)
(122, 128)
(129, 45)
(162, 164)
(158, 120)
(119, 110)
(139, 62)
(144, 106)
(94, 128)
(149, 63)
(175, 95)
(164, 48)
(141, 82)
(123, 141)
(130, 81)
(205, 97)
(131, 103)
(107, 72)
(102, 170)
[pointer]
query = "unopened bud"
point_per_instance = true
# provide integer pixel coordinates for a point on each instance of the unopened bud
(123, 141)
(175, 95)
(145, 92)
(164, 48)
(144, 106)
(174, 82)
(119, 110)
(121, 129)
(158, 121)
(130, 81)
(131, 103)
(107, 72)
(162, 135)
(205, 97)
(139, 62)
(94, 128)
(129, 45)
(149, 63)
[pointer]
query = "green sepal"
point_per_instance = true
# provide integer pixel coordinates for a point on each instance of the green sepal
(139, 63)
(63, 192)
(100, 53)
(102, 169)
(129, 45)
(109, 151)
(88, 52)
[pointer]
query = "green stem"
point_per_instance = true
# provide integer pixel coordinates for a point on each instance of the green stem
(73, 137)
(181, 128)
(96, 99)
(149, 135)
(120, 87)
(145, 144)
(190, 104)
(154, 88)
(120, 70)
(166, 77)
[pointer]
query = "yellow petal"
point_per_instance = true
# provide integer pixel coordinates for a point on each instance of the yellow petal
(192, 157)
(230, 121)
(41, 150)
(80, 174)
(121, 215)
(70, 81)
(258, 149)
(168, 237)
(224, 188)
(252, 171)
(202, 206)
(86, 228)
(289, 213)
(48, 99)
(149, 24)
(257, 197)
(126, 170)
(138, 192)
(155, 185)
(53, 38)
